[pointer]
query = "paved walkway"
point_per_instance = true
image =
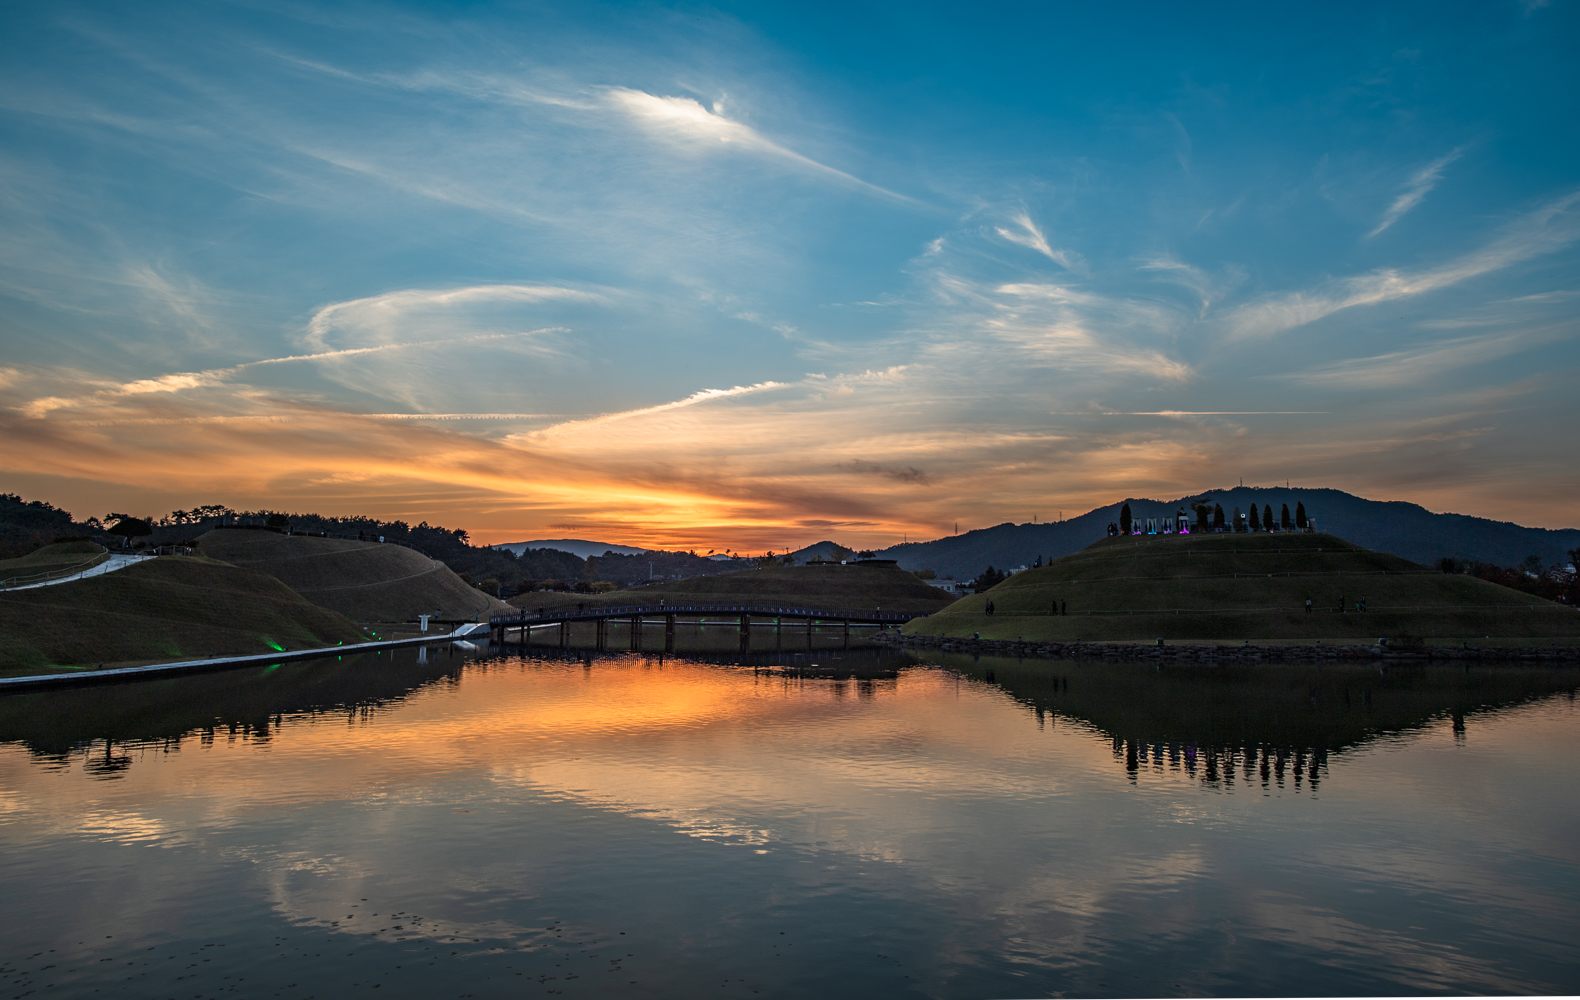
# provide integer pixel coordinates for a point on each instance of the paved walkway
(110, 565)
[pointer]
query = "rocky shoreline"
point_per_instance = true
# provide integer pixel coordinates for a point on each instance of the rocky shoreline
(1121, 652)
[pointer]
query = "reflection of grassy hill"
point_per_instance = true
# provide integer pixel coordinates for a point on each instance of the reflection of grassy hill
(52, 558)
(1314, 706)
(1233, 587)
(246, 698)
(364, 581)
(832, 587)
(164, 609)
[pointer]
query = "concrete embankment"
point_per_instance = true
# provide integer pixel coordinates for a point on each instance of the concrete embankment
(152, 670)
(1120, 652)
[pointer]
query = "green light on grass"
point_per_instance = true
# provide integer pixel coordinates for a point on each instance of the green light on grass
(270, 670)
(275, 646)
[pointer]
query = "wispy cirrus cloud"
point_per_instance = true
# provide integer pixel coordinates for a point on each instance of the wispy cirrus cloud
(1551, 227)
(1421, 362)
(393, 316)
(685, 119)
(175, 382)
(700, 396)
(1420, 185)
(1028, 234)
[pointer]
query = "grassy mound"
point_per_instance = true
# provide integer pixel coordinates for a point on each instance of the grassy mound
(364, 581)
(53, 558)
(832, 587)
(1235, 587)
(170, 608)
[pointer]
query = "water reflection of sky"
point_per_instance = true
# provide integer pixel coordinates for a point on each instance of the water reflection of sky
(929, 818)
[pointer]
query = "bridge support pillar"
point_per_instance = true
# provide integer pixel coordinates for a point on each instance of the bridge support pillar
(565, 634)
(809, 633)
(636, 633)
(847, 633)
(746, 633)
(603, 633)
(669, 633)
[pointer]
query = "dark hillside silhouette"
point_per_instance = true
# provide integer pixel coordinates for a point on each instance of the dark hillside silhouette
(1403, 529)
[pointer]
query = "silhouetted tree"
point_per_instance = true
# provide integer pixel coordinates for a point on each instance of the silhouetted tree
(989, 579)
(1217, 516)
(1448, 564)
(129, 527)
(1238, 521)
(1300, 516)
(1284, 518)
(1124, 520)
(1203, 516)
(1256, 521)
(1267, 516)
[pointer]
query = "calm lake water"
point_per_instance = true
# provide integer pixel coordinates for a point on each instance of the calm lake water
(436, 824)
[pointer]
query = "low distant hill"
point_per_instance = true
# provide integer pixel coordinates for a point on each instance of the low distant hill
(169, 608)
(1403, 529)
(834, 587)
(579, 547)
(1234, 587)
(647, 566)
(365, 581)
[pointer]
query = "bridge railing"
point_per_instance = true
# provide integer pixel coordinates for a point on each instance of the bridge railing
(762, 610)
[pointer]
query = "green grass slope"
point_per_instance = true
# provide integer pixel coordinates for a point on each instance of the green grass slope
(364, 581)
(1238, 587)
(833, 587)
(170, 608)
(53, 558)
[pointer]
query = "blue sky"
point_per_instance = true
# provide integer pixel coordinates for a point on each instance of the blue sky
(759, 275)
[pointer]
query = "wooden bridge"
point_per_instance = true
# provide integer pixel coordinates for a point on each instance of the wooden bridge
(743, 616)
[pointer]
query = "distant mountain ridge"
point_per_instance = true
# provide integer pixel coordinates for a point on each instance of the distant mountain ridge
(1403, 529)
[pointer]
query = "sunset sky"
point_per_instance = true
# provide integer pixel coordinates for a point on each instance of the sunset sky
(759, 275)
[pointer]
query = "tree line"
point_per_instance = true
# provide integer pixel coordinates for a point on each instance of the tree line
(1557, 582)
(1211, 517)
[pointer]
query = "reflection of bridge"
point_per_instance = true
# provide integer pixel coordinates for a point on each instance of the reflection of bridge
(743, 616)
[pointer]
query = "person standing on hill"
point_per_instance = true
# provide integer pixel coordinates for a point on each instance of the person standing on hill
(1362, 606)
(1064, 607)
(1308, 605)
(1341, 604)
